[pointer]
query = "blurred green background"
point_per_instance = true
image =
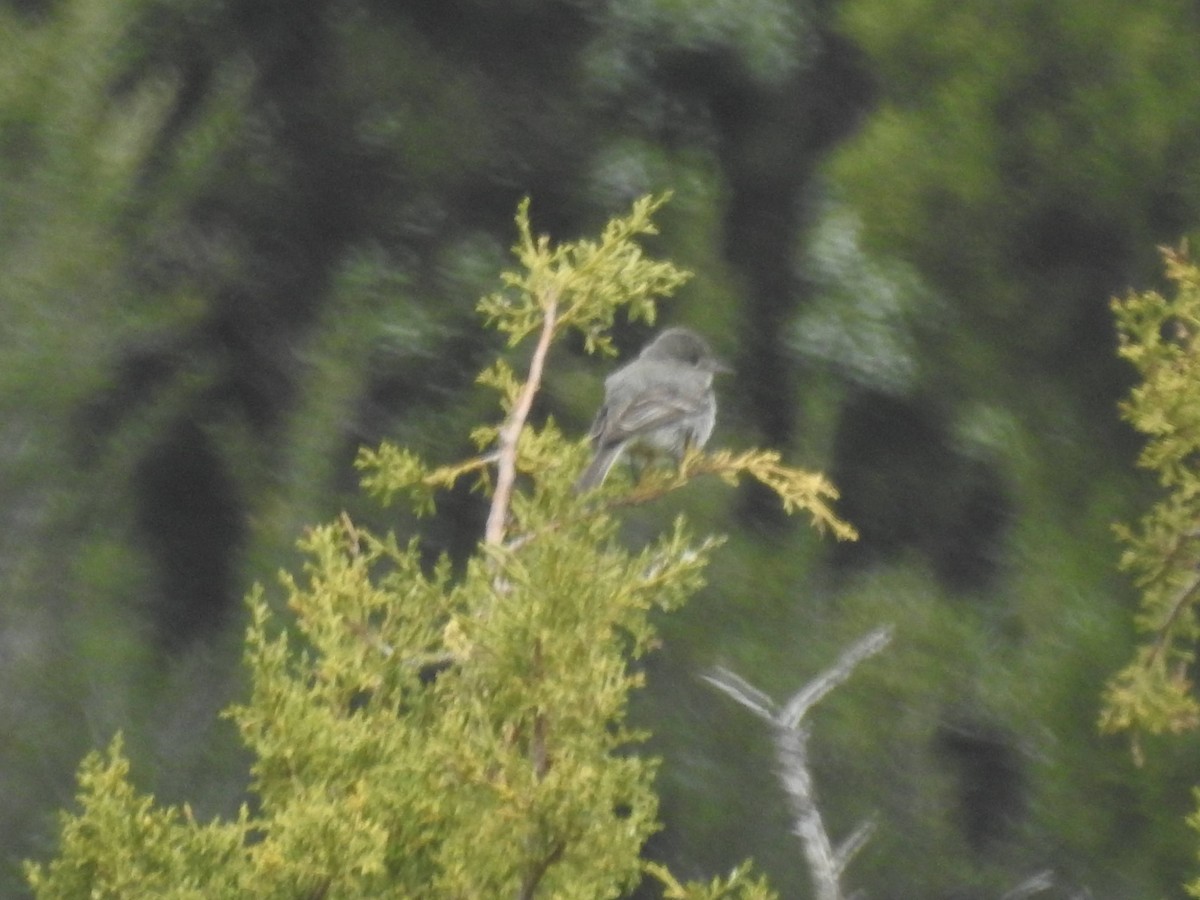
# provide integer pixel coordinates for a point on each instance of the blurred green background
(238, 240)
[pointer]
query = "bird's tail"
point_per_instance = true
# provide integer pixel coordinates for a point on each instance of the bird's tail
(593, 476)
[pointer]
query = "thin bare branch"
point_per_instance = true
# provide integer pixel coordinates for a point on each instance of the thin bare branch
(1034, 884)
(743, 692)
(813, 692)
(510, 433)
(854, 842)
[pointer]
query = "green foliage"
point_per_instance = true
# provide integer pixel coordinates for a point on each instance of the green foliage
(738, 884)
(590, 281)
(1160, 336)
(1024, 162)
(271, 229)
(123, 845)
(1061, 131)
(90, 197)
(418, 735)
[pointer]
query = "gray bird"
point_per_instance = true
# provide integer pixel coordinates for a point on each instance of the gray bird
(662, 402)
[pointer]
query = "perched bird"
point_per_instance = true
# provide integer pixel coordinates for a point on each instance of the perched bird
(662, 401)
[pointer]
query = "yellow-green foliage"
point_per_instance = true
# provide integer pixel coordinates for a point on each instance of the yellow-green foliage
(1161, 337)
(422, 735)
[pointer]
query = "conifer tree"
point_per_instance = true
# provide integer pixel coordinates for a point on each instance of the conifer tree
(423, 733)
(1160, 335)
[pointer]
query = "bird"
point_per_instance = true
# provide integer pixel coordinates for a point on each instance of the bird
(661, 402)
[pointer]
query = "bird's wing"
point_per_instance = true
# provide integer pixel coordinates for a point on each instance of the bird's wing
(649, 411)
(598, 424)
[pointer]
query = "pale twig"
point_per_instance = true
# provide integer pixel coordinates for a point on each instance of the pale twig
(733, 685)
(813, 692)
(854, 842)
(510, 433)
(1034, 884)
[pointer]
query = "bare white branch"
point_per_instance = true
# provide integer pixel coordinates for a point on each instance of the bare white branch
(825, 862)
(733, 685)
(791, 749)
(1034, 884)
(854, 842)
(813, 692)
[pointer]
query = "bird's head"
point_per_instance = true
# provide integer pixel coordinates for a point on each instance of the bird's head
(684, 345)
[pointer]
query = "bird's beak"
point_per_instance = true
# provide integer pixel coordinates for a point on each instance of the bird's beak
(718, 366)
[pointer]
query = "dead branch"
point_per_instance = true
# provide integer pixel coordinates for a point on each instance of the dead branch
(825, 861)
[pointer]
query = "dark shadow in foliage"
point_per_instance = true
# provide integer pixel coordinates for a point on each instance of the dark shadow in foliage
(35, 10)
(991, 783)
(142, 369)
(907, 487)
(523, 61)
(1070, 252)
(191, 519)
(456, 530)
(413, 385)
(510, 40)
